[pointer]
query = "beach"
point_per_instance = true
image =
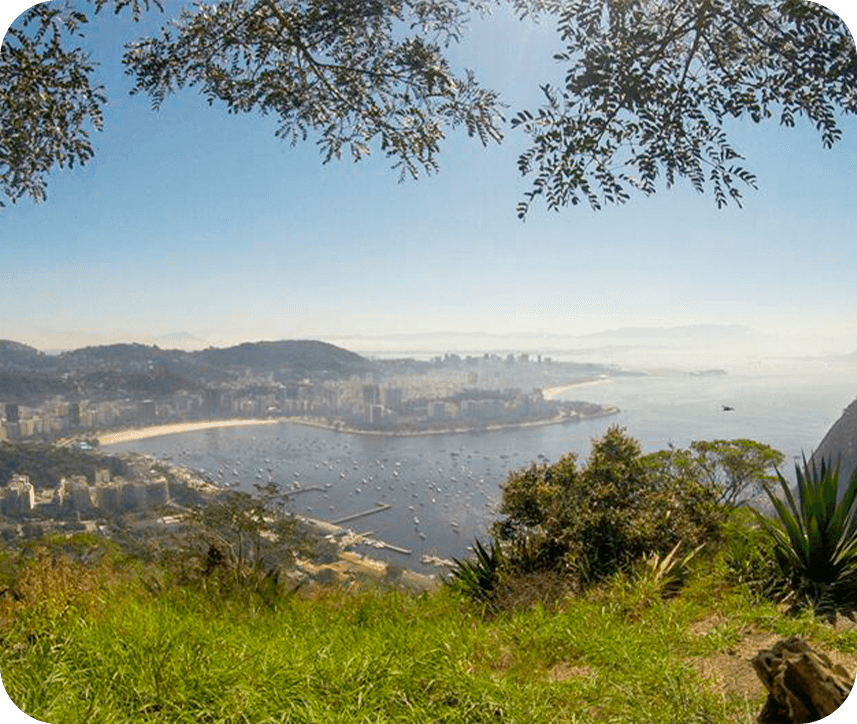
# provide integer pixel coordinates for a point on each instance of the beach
(142, 433)
(551, 393)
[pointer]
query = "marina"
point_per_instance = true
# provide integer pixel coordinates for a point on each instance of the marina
(432, 495)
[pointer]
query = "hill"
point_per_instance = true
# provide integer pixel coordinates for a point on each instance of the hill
(28, 376)
(841, 440)
(14, 355)
(300, 356)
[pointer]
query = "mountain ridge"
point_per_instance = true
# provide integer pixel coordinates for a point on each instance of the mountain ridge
(28, 376)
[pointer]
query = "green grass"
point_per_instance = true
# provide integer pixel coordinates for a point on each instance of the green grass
(104, 647)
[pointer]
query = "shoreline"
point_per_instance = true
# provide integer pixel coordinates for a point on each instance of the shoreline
(176, 428)
(559, 420)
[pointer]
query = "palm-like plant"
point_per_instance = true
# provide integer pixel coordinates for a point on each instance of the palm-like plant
(479, 577)
(815, 538)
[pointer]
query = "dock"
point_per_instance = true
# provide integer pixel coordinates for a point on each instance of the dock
(363, 513)
(312, 488)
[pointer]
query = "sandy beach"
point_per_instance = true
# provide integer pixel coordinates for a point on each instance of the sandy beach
(141, 433)
(551, 393)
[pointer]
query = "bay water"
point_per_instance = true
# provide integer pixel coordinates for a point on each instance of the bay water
(443, 490)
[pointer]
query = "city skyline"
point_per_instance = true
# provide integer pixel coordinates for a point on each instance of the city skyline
(192, 221)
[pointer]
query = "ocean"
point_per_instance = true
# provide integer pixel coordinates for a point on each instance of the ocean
(443, 490)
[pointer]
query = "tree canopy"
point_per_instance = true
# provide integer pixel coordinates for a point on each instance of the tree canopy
(648, 89)
(620, 506)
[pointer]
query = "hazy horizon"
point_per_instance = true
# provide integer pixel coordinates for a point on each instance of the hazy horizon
(191, 221)
(690, 348)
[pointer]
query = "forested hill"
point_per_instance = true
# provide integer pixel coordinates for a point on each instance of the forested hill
(840, 443)
(15, 354)
(28, 376)
(300, 356)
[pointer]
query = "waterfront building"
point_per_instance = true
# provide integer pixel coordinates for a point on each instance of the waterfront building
(393, 399)
(436, 410)
(146, 410)
(371, 395)
(375, 414)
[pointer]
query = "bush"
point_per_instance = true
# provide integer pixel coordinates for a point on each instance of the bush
(815, 538)
(749, 556)
(593, 521)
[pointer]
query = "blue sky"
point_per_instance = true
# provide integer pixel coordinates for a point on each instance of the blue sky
(192, 220)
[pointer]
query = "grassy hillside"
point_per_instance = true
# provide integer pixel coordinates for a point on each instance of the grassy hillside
(88, 634)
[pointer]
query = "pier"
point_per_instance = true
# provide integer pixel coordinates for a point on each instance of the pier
(316, 488)
(363, 513)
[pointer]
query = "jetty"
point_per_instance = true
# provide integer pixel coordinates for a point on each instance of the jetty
(363, 513)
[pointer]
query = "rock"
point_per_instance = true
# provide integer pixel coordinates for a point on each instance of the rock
(803, 685)
(840, 445)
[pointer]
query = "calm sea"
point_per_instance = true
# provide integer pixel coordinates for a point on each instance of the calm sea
(444, 489)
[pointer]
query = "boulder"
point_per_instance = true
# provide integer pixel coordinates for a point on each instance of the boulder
(803, 685)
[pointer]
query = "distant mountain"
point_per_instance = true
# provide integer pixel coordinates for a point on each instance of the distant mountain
(119, 355)
(695, 334)
(184, 340)
(137, 370)
(300, 356)
(840, 443)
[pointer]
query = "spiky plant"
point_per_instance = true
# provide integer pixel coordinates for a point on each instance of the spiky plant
(665, 574)
(479, 577)
(815, 538)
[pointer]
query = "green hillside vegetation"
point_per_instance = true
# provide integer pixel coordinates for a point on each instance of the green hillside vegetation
(89, 632)
(116, 371)
(45, 464)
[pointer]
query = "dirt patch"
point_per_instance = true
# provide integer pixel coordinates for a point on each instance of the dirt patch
(566, 671)
(703, 626)
(732, 673)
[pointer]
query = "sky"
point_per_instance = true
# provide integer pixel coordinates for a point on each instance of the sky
(192, 221)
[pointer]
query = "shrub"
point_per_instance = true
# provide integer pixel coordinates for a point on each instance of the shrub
(815, 538)
(593, 521)
(749, 556)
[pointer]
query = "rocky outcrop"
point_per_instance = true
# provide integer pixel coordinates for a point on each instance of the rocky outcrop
(840, 443)
(803, 685)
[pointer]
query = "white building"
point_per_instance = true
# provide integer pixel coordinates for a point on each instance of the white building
(19, 496)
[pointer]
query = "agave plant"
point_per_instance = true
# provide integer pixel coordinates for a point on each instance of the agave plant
(815, 538)
(479, 577)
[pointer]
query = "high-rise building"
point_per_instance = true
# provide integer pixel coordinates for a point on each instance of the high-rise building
(371, 395)
(393, 399)
(11, 412)
(375, 414)
(18, 496)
